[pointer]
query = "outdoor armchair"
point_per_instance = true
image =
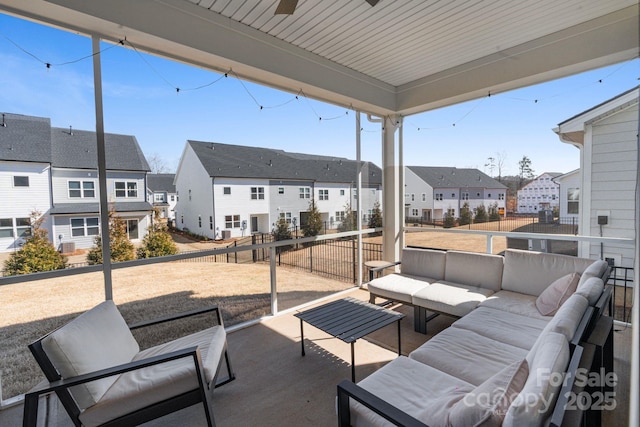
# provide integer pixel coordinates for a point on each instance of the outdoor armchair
(102, 378)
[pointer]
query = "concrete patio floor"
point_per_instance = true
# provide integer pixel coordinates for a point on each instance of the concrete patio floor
(276, 386)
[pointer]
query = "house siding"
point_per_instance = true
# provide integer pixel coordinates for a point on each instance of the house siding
(193, 180)
(19, 202)
(614, 148)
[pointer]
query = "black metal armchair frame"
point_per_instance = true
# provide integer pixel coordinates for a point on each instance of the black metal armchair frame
(61, 386)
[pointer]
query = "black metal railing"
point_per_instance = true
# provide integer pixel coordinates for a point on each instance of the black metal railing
(522, 224)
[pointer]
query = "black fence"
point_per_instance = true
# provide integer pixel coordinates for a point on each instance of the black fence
(516, 224)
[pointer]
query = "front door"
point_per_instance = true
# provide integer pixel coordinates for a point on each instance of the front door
(254, 224)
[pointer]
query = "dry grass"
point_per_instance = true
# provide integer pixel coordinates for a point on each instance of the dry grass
(32, 309)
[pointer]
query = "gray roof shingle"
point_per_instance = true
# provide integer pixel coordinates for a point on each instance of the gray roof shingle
(237, 161)
(25, 138)
(161, 182)
(451, 177)
(78, 149)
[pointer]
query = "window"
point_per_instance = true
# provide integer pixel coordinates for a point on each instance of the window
(158, 197)
(323, 194)
(226, 190)
(126, 189)
(340, 216)
(453, 195)
(74, 189)
(342, 192)
(84, 227)
(286, 216)
(501, 196)
(424, 197)
(6, 227)
(232, 221)
(132, 228)
(489, 195)
(438, 196)
(20, 181)
(414, 213)
(413, 197)
(451, 212)
(23, 227)
(280, 190)
(200, 221)
(210, 223)
(573, 200)
(305, 193)
(477, 194)
(173, 198)
(257, 193)
(464, 196)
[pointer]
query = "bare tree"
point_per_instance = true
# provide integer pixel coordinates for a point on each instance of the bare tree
(157, 163)
(501, 159)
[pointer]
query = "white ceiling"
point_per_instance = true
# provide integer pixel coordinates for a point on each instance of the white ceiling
(399, 57)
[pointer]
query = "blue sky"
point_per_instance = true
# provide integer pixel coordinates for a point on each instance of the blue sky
(140, 99)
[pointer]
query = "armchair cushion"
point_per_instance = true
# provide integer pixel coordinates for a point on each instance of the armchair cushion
(557, 293)
(77, 348)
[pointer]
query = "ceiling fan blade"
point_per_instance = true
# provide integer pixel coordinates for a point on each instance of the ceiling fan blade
(286, 7)
(373, 2)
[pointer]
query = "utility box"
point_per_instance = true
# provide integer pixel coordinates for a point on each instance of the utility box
(226, 234)
(68, 247)
(545, 216)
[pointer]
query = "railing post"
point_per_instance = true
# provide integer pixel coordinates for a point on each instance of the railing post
(235, 245)
(355, 260)
(489, 243)
(272, 276)
(311, 257)
(254, 254)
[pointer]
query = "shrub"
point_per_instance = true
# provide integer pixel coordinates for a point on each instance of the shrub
(493, 212)
(120, 246)
(37, 254)
(282, 232)
(449, 220)
(481, 214)
(350, 221)
(375, 220)
(313, 225)
(157, 243)
(466, 217)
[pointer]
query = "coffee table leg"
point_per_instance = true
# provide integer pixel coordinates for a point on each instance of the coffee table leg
(301, 337)
(353, 363)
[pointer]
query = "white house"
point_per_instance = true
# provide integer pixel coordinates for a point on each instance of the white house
(162, 194)
(232, 191)
(569, 194)
(542, 193)
(54, 171)
(607, 136)
(430, 191)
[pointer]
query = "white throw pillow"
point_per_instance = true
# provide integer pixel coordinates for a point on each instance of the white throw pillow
(556, 294)
(488, 403)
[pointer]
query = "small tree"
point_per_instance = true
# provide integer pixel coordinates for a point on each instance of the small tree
(480, 214)
(466, 217)
(350, 221)
(282, 232)
(37, 254)
(313, 225)
(494, 215)
(158, 241)
(119, 244)
(449, 220)
(375, 220)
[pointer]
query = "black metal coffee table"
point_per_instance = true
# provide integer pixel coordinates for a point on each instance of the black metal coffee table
(349, 319)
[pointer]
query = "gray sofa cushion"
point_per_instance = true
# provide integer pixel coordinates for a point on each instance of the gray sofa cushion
(514, 302)
(531, 272)
(591, 289)
(423, 262)
(451, 298)
(466, 355)
(474, 269)
(417, 389)
(397, 287)
(499, 325)
(596, 269)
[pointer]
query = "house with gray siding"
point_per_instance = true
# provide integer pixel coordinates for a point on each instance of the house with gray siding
(229, 190)
(54, 171)
(432, 191)
(607, 136)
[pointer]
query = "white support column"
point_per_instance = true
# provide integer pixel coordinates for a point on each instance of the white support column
(359, 205)
(391, 200)
(102, 170)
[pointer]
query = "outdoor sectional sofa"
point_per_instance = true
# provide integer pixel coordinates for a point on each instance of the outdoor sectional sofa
(522, 318)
